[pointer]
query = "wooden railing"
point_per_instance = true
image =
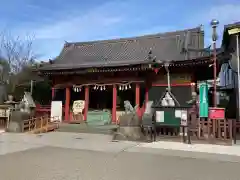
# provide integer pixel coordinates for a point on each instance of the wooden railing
(44, 107)
(39, 125)
(3, 123)
(204, 131)
(216, 129)
(237, 126)
(44, 110)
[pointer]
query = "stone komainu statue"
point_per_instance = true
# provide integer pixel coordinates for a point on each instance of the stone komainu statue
(129, 124)
(130, 118)
(128, 107)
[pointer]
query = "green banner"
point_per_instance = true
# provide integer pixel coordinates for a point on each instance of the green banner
(203, 100)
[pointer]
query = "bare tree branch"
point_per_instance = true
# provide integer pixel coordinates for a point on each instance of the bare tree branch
(18, 52)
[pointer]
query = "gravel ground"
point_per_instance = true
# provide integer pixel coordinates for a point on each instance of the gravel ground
(55, 163)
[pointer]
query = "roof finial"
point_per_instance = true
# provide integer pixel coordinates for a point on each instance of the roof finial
(150, 51)
(66, 44)
(50, 61)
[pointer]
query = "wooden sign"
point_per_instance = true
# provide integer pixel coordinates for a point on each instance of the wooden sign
(78, 106)
(184, 118)
(2, 112)
(56, 111)
(159, 116)
(233, 31)
(176, 78)
(216, 113)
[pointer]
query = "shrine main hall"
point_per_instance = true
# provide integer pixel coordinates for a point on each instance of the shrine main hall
(106, 73)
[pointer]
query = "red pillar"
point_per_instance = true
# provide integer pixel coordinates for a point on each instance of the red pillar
(53, 93)
(67, 104)
(86, 102)
(114, 105)
(137, 97)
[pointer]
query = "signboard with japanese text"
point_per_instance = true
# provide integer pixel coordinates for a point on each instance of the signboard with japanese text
(78, 106)
(216, 113)
(203, 100)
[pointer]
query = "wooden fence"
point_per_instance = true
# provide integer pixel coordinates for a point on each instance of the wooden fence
(200, 130)
(216, 129)
(39, 125)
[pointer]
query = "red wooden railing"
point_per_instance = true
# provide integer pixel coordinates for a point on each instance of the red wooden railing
(43, 110)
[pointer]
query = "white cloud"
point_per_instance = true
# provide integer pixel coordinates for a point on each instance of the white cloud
(120, 18)
(94, 23)
(76, 26)
(224, 13)
(227, 13)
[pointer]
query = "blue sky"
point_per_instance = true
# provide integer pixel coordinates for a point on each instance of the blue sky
(52, 22)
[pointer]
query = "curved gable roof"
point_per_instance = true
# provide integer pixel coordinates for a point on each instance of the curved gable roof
(127, 51)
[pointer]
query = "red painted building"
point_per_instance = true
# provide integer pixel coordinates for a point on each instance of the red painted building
(107, 72)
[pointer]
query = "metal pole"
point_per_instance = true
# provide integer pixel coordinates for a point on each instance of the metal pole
(214, 24)
(238, 92)
(214, 74)
(31, 90)
(238, 73)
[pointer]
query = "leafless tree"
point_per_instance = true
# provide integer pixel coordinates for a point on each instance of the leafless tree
(18, 52)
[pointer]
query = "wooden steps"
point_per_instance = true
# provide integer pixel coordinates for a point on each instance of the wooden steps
(44, 129)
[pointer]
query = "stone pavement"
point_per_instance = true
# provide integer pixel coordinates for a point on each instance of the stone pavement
(98, 142)
(54, 163)
(71, 156)
(201, 148)
(94, 142)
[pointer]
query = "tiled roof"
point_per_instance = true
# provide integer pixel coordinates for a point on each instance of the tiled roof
(229, 44)
(225, 38)
(171, 46)
(229, 26)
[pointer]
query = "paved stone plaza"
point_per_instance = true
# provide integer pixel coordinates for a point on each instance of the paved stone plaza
(66, 156)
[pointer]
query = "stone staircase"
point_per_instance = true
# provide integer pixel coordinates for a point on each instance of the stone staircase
(86, 128)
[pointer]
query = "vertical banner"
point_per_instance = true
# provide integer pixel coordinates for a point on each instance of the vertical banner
(203, 100)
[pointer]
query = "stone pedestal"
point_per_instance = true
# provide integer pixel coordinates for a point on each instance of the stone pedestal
(129, 128)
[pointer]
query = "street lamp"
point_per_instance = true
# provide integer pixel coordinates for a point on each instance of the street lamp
(214, 24)
(1, 73)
